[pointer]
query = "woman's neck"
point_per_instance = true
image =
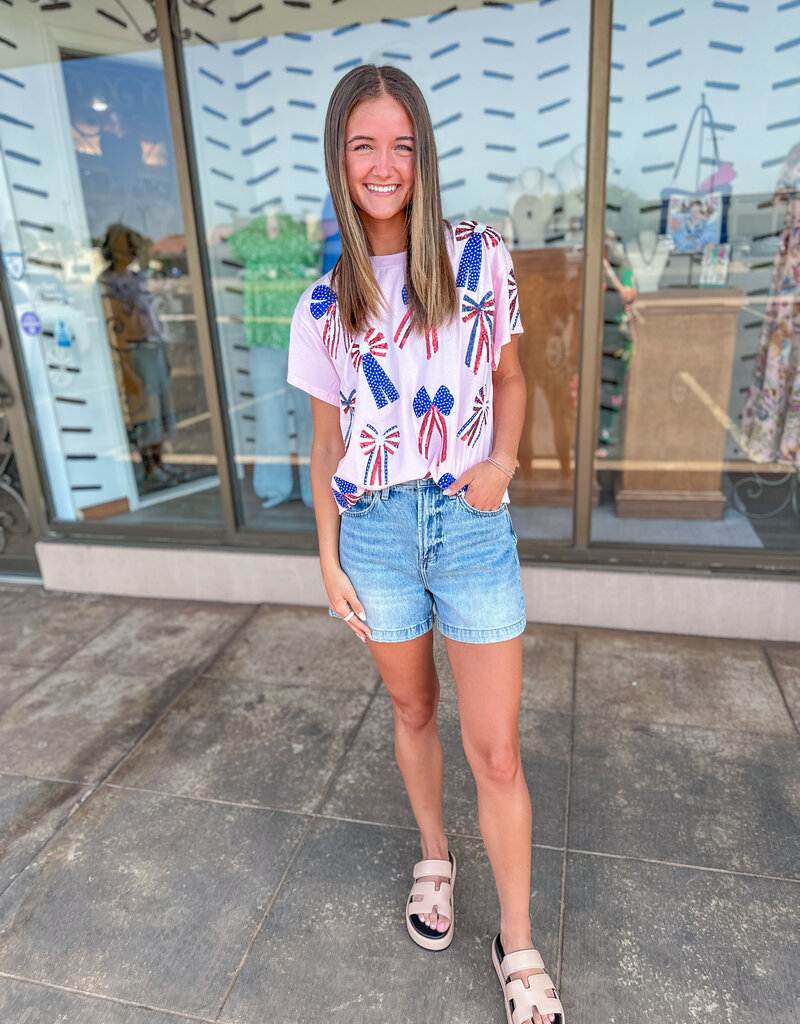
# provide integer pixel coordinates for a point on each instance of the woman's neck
(386, 237)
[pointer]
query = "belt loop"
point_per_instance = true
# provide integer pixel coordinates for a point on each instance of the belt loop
(384, 493)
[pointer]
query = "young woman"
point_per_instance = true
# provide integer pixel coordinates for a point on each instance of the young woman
(409, 351)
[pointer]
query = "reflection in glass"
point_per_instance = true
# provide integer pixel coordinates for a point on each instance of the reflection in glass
(506, 87)
(94, 258)
(699, 436)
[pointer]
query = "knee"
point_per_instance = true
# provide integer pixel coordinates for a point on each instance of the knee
(495, 762)
(417, 715)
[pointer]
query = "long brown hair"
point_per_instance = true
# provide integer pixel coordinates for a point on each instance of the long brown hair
(430, 284)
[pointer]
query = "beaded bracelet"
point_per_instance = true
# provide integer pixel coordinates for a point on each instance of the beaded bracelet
(508, 472)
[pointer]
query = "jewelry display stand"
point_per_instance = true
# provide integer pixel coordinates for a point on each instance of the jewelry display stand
(676, 401)
(647, 254)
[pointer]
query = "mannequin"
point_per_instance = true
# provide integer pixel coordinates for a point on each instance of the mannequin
(771, 417)
(140, 360)
(532, 198)
(281, 257)
(647, 255)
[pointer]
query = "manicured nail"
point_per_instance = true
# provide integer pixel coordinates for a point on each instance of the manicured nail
(363, 639)
(362, 616)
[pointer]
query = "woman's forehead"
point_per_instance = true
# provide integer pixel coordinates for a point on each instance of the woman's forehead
(381, 117)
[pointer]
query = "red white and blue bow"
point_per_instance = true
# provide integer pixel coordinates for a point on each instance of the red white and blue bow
(480, 339)
(348, 409)
(347, 493)
(324, 304)
(513, 300)
(433, 418)
(471, 430)
(403, 333)
(363, 352)
(378, 446)
(476, 236)
(372, 342)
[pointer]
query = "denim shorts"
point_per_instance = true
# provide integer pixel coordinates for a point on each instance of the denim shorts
(411, 550)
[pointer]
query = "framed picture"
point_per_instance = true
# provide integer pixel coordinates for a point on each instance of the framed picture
(694, 221)
(714, 266)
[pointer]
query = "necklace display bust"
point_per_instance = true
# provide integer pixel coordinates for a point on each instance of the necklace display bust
(648, 254)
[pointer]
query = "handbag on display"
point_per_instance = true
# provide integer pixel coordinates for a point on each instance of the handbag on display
(695, 218)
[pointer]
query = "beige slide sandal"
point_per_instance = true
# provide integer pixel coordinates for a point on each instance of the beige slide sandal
(424, 898)
(521, 999)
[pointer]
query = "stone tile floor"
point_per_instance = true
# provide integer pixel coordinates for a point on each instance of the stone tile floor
(201, 819)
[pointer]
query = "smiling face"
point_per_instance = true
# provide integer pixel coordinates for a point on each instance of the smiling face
(379, 162)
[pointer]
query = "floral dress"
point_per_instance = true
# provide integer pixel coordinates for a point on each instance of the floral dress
(771, 418)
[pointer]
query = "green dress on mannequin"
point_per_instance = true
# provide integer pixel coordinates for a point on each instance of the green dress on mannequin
(280, 261)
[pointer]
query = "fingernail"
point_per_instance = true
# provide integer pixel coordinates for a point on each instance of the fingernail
(362, 616)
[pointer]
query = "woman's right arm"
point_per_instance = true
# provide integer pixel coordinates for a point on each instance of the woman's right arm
(327, 451)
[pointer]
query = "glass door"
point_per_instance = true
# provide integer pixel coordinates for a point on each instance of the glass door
(100, 300)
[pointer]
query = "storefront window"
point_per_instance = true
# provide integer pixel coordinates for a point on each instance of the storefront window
(94, 259)
(507, 88)
(699, 436)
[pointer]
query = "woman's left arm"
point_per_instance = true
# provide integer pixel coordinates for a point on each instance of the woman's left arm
(485, 481)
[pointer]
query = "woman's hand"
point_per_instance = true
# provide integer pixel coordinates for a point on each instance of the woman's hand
(486, 485)
(342, 598)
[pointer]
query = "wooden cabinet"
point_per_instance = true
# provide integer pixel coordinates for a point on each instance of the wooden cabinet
(675, 411)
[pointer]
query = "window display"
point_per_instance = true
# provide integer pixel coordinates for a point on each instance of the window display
(699, 440)
(257, 104)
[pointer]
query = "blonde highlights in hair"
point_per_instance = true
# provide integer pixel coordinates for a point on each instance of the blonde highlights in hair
(430, 284)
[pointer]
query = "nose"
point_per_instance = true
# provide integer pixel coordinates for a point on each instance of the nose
(382, 167)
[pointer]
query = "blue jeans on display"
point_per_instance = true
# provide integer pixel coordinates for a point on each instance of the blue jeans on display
(273, 481)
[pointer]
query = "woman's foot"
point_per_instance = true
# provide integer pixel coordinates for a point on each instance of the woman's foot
(435, 851)
(509, 946)
(434, 920)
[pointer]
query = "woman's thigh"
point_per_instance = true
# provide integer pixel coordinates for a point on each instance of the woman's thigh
(489, 684)
(409, 673)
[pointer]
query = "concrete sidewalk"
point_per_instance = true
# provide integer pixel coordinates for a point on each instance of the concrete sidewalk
(202, 819)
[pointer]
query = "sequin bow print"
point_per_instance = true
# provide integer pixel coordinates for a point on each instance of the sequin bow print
(471, 430)
(346, 495)
(433, 418)
(348, 409)
(476, 235)
(513, 300)
(365, 352)
(403, 333)
(378, 446)
(480, 338)
(324, 304)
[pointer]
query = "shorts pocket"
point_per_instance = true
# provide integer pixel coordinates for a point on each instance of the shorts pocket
(365, 504)
(482, 512)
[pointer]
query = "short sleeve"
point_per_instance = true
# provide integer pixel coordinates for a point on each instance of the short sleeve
(506, 316)
(310, 365)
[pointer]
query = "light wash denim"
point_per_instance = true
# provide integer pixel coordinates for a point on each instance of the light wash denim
(274, 481)
(411, 550)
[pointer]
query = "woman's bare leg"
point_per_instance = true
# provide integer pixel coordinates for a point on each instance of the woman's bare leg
(489, 683)
(409, 674)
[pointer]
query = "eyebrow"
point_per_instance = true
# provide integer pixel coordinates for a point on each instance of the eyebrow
(370, 138)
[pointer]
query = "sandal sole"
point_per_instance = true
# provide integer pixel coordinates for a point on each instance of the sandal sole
(430, 942)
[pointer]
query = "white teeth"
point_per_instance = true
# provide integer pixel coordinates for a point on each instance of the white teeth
(382, 188)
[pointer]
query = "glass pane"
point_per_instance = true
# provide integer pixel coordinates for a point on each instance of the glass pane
(506, 85)
(94, 258)
(700, 402)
